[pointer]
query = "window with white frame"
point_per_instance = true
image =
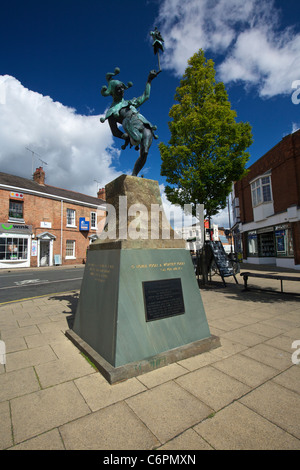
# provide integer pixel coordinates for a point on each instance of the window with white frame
(70, 249)
(94, 220)
(71, 217)
(15, 210)
(261, 190)
(13, 248)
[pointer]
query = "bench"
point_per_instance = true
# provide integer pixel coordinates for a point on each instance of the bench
(279, 277)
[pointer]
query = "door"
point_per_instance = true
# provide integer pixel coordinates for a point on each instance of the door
(44, 253)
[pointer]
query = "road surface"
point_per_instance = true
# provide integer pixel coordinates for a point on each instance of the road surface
(29, 283)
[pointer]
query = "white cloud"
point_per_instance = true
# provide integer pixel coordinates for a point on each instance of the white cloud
(222, 218)
(246, 36)
(78, 149)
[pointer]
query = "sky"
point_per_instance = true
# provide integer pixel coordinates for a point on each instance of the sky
(54, 56)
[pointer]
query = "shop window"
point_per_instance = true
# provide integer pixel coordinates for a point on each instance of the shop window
(71, 217)
(15, 210)
(261, 190)
(13, 248)
(266, 245)
(284, 241)
(70, 249)
(252, 246)
(94, 220)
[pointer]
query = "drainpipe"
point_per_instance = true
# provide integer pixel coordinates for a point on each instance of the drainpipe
(61, 229)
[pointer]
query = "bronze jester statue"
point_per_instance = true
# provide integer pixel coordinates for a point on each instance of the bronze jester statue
(139, 132)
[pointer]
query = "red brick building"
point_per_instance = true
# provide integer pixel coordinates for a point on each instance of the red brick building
(41, 225)
(266, 207)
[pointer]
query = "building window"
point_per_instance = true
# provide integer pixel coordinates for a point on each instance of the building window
(252, 246)
(266, 244)
(284, 241)
(94, 220)
(261, 190)
(70, 249)
(15, 210)
(71, 217)
(13, 248)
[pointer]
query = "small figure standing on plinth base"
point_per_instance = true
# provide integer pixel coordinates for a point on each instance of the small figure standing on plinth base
(139, 132)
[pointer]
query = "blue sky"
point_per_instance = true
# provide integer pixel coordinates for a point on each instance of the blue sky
(54, 56)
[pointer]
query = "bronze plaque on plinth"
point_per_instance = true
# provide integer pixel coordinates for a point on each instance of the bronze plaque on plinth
(163, 299)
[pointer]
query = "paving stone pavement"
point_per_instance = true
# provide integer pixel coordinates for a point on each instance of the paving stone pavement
(243, 395)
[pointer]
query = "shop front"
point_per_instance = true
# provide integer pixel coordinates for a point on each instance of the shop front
(15, 245)
(270, 245)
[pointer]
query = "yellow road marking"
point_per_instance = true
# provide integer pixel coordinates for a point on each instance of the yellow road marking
(37, 297)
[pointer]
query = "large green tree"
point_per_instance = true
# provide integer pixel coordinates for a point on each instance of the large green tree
(207, 149)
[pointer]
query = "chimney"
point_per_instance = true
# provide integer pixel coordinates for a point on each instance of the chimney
(101, 194)
(39, 175)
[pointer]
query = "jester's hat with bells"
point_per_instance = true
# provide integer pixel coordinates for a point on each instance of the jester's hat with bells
(109, 90)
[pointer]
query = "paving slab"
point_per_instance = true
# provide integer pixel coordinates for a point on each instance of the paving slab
(24, 331)
(213, 387)
(41, 339)
(201, 360)
(114, 427)
(236, 427)
(188, 440)
(282, 342)
(244, 336)
(17, 383)
(264, 330)
(290, 378)
(50, 440)
(41, 411)
(246, 370)
(16, 343)
(228, 348)
(168, 409)
(269, 355)
(98, 393)
(29, 357)
(62, 370)
(165, 374)
(5, 434)
(278, 404)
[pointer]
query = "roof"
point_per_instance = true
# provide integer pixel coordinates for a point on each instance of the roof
(27, 185)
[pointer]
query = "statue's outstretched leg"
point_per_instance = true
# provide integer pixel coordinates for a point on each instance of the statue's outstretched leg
(139, 164)
(145, 146)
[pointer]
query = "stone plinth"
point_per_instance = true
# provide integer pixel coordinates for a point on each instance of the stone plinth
(140, 307)
(136, 201)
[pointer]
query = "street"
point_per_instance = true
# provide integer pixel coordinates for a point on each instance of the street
(29, 283)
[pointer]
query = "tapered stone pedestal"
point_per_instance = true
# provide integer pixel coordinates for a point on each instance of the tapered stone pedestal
(140, 307)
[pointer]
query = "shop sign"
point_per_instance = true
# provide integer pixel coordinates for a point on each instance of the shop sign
(46, 224)
(265, 230)
(84, 225)
(15, 228)
(16, 196)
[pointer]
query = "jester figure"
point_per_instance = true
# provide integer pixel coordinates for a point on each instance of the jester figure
(139, 132)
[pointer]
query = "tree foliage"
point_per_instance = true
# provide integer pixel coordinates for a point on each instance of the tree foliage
(207, 149)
